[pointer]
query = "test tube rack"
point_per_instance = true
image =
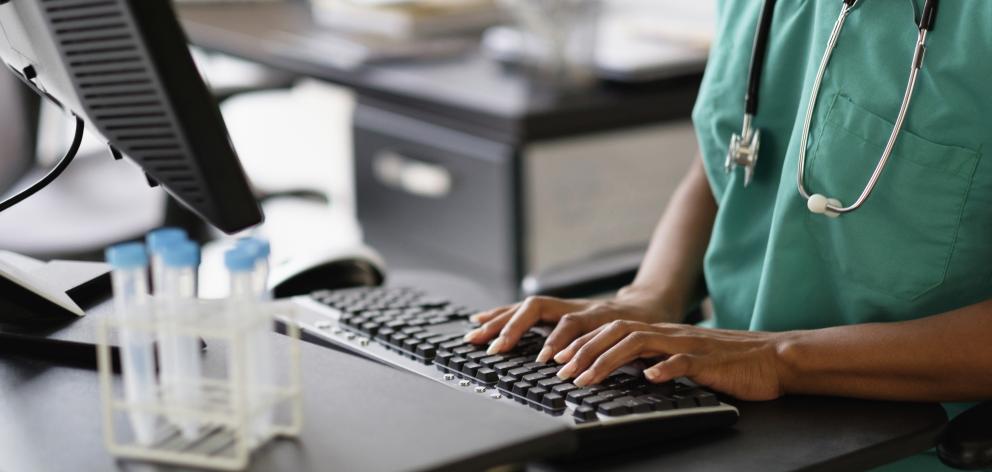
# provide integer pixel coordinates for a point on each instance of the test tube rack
(227, 418)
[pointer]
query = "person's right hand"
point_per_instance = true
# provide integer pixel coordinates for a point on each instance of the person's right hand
(574, 318)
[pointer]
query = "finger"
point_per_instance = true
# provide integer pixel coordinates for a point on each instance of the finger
(490, 314)
(489, 329)
(566, 354)
(572, 326)
(679, 365)
(629, 348)
(591, 350)
(526, 315)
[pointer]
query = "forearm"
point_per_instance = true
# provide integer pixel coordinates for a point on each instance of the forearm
(946, 357)
(672, 269)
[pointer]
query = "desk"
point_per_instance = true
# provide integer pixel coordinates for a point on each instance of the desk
(479, 124)
(51, 422)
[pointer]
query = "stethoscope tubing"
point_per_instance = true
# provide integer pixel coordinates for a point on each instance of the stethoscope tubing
(919, 51)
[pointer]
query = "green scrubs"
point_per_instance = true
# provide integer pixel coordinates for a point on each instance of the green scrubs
(922, 243)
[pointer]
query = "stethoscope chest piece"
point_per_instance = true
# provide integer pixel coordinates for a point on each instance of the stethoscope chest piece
(743, 150)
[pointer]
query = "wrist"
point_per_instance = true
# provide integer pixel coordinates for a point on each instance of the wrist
(665, 306)
(790, 353)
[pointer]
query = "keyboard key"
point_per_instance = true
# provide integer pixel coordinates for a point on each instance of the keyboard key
(550, 382)
(639, 406)
(410, 344)
(707, 399)
(519, 371)
(457, 362)
(610, 394)
(684, 401)
(442, 357)
(666, 389)
(506, 382)
(423, 336)
(426, 350)
(536, 393)
(658, 402)
(384, 333)
(594, 400)
(487, 375)
(613, 408)
(580, 394)
(469, 368)
(504, 367)
(549, 370)
(453, 344)
(564, 388)
(370, 327)
(520, 388)
(553, 401)
(462, 351)
(476, 356)
(585, 413)
(534, 377)
(491, 360)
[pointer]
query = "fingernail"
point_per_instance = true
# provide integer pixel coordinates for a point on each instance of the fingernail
(583, 379)
(561, 357)
(544, 355)
(566, 372)
(652, 373)
(496, 346)
(475, 318)
(471, 335)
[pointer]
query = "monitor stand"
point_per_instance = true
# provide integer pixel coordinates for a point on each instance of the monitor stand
(32, 291)
(42, 304)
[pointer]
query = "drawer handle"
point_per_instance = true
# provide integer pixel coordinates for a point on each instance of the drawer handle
(411, 175)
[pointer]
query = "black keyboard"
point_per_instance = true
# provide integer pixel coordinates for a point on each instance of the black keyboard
(406, 328)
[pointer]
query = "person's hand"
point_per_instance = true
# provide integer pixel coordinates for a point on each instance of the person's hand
(744, 364)
(573, 318)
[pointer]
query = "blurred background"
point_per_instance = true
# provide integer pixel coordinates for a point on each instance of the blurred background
(527, 145)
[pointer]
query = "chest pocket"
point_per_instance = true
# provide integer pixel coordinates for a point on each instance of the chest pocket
(900, 242)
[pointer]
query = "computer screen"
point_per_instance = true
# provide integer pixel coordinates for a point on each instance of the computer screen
(124, 68)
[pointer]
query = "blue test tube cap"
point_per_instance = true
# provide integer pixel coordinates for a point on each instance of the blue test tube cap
(239, 260)
(181, 254)
(260, 247)
(127, 256)
(162, 238)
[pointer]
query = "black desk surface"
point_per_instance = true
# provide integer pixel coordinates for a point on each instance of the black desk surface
(463, 89)
(369, 417)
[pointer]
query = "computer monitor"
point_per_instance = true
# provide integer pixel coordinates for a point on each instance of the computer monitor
(123, 67)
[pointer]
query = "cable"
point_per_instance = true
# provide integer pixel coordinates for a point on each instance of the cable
(77, 139)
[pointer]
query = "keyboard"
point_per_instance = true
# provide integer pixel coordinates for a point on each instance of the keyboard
(411, 330)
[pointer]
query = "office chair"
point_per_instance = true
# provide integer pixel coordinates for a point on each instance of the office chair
(966, 442)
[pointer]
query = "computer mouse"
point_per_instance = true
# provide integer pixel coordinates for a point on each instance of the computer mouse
(358, 266)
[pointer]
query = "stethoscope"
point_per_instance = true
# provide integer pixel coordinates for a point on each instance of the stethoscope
(744, 147)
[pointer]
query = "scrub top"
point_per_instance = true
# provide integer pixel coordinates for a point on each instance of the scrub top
(922, 243)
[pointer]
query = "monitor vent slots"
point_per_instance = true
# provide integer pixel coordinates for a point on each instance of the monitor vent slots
(118, 89)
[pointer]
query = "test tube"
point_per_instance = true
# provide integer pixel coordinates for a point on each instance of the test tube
(129, 276)
(261, 249)
(261, 335)
(178, 302)
(157, 242)
(243, 312)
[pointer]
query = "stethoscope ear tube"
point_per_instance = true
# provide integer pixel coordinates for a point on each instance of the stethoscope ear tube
(929, 16)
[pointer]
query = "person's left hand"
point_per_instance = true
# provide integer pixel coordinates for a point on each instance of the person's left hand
(744, 364)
